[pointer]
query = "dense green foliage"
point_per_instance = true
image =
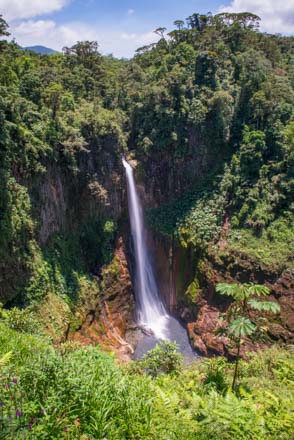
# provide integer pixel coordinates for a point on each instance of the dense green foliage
(208, 115)
(221, 95)
(82, 394)
(210, 108)
(53, 112)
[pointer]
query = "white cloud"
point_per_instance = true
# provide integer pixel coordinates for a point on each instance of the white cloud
(35, 29)
(131, 11)
(147, 38)
(50, 34)
(277, 16)
(17, 9)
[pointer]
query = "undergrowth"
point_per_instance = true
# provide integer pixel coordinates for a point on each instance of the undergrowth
(82, 393)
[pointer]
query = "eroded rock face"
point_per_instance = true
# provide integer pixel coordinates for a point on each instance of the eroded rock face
(62, 201)
(203, 332)
(283, 291)
(113, 315)
(280, 284)
(203, 335)
(52, 194)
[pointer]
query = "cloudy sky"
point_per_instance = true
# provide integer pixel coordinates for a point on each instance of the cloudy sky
(121, 26)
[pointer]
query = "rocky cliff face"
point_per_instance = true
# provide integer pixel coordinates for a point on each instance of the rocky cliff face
(76, 272)
(62, 199)
(107, 321)
(65, 202)
(167, 176)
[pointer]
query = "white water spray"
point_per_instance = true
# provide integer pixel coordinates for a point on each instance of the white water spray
(151, 311)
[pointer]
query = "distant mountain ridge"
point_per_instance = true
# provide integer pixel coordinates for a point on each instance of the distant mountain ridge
(43, 50)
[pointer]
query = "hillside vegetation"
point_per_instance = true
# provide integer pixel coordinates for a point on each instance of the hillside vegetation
(210, 105)
(206, 113)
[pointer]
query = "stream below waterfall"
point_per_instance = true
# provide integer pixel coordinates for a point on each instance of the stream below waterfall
(157, 325)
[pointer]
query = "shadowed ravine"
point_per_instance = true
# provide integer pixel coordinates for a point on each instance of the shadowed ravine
(151, 313)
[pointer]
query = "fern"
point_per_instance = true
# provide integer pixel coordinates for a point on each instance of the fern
(5, 359)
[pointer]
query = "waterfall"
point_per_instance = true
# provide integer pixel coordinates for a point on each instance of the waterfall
(150, 309)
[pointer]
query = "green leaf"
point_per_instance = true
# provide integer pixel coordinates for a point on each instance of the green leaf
(258, 290)
(242, 291)
(241, 327)
(229, 289)
(266, 306)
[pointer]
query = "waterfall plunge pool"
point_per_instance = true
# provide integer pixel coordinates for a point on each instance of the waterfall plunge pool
(174, 332)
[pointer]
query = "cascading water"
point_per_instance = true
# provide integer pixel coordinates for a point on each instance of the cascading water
(151, 311)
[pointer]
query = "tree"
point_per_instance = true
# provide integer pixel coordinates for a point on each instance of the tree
(52, 97)
(160, 31)
(179, 24)
(205, 69)
(31, 86)
(288, 162)
(3, 28)
(241, 322)
(199, 21)
(252, 149)
(83, 52)
(289, 146)
(146, 48)
(246, 20)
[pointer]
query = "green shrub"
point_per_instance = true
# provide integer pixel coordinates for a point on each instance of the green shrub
(22, 320)
(216, 375)
(163, 358)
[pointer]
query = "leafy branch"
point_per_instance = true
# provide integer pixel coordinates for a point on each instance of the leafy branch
(247, 297)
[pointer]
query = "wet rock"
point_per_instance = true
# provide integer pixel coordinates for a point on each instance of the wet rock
(133, 334)
(196, 340)
(283, 291)
(186, 315)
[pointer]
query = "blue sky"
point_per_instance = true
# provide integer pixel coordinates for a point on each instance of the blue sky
(120, 26)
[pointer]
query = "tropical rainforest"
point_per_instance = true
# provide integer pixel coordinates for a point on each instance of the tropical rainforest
(205, 116)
